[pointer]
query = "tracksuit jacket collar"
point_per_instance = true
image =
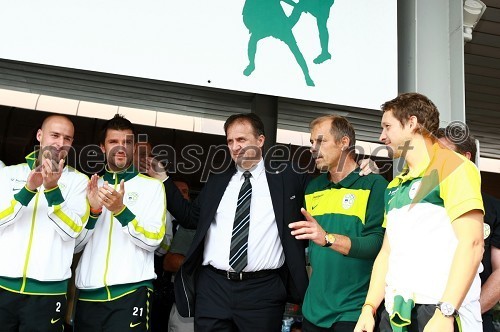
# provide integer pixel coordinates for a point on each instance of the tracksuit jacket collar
(116, 177)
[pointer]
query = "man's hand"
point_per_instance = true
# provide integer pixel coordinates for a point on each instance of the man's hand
(439, 323)
(92, 193)
(35, 179)
(368, 166)
(110, 198)
(366, 321)
(155, 168)
(51, 172)
(308, 229)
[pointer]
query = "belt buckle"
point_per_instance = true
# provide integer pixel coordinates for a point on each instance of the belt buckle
(234, 275)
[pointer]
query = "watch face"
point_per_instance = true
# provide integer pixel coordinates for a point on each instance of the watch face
(331, 238)
(447, 309)
(328, 240)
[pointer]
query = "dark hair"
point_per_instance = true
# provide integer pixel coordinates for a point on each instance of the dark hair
(118, 122)
(252, 118)
(415, 104)
(339, 128)
(460, 138)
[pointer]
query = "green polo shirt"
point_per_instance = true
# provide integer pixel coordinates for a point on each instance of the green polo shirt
(354, 207)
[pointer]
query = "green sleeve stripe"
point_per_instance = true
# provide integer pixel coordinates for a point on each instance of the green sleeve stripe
(91, 222)
(31, 191)
(24, 196)
(8, 211)
(54, 196)
(149, 235)
(66, 219)
(125, 216)
(50, 190)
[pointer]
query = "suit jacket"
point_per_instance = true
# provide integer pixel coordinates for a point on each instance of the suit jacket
(287, 194)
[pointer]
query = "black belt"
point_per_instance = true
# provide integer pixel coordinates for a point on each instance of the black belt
(242, 275)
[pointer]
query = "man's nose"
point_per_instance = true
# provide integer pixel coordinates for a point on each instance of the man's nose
(234, 147)
(314, 147)
(60, 142)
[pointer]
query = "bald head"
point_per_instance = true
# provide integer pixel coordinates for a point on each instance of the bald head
(56, 136)
(58, 119)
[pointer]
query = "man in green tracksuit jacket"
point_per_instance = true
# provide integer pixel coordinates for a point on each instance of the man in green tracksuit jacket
(344, 225)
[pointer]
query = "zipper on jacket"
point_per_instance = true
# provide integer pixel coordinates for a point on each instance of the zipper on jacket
(109, 245)
(28, 251)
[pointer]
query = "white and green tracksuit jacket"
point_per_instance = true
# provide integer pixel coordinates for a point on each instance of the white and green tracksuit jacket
(119, 248)
(38, 229)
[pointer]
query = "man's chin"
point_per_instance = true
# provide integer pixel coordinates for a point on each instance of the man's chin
(322, 167)
(120, 164)
(390, 152)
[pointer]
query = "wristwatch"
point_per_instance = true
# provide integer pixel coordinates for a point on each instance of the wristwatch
(329, 240)
(447, 309)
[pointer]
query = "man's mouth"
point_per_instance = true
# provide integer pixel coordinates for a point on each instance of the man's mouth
(120, 155)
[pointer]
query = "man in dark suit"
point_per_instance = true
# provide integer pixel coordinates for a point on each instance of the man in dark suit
(243, 264)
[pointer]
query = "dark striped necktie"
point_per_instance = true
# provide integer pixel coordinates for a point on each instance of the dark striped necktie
(239, 237)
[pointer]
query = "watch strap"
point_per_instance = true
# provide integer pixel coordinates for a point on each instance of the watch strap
(453, 314)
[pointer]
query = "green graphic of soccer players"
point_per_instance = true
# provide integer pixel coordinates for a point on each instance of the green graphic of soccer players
(266, 18)
(320, 9)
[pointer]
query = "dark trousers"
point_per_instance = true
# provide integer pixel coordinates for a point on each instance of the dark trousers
(128, 313)
(488, 322)
(248, 305)
(163, 297)
(307, 326)
(420, 316)
(31, 313)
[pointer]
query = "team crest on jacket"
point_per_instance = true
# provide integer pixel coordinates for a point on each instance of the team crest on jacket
(348, 201)
(132, 198)
(414, 189)
(487, 230)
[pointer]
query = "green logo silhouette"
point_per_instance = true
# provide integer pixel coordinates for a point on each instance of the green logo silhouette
(266, 18)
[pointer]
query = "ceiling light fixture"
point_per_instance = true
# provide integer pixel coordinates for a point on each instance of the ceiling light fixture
(473, 10)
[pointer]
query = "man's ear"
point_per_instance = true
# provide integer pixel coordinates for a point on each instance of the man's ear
(261, 140)
(413, 124)
(346, 142)
(468, 155)
(102, 148)
(39, 135)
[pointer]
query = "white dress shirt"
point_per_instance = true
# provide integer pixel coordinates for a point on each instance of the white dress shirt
(264, 245)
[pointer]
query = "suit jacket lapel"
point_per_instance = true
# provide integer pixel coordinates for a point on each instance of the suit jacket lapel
(216, 194)
(275, 182)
